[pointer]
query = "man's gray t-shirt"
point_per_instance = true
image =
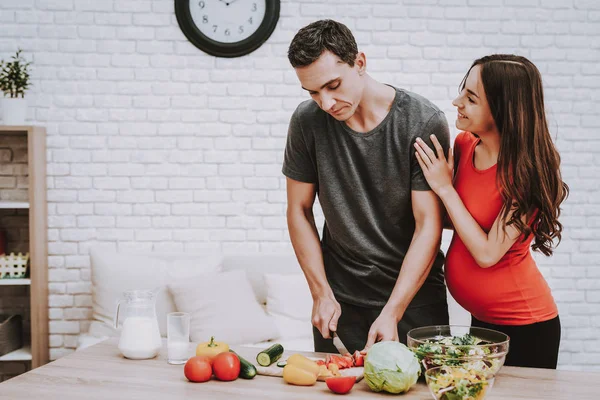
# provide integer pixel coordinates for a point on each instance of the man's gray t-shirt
(364, 183)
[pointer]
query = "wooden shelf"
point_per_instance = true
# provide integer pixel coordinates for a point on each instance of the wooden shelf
(16, 130)
(14, 204)
(14, 282)
(22, 354)
(38, 350)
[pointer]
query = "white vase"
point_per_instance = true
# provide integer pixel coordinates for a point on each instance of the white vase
(14, 110)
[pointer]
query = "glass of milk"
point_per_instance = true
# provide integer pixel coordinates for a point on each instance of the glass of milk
(178, 337)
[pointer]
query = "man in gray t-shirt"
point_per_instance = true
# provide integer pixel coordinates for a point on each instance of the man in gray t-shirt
(377, 272)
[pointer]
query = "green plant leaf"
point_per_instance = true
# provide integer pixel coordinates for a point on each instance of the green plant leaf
(14, 76)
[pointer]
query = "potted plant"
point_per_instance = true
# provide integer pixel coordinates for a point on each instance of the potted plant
(14, 81)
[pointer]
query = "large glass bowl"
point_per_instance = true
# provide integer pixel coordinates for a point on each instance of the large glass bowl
(458, 383)
(479, 349)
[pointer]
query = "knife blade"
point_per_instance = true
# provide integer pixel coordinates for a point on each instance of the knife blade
(339, 345)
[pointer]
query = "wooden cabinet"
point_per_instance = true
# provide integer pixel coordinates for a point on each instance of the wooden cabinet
(30, 203)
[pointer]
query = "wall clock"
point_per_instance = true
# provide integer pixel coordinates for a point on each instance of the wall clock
(227, 28)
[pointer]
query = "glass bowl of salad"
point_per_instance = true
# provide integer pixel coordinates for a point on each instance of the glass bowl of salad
(479, 349)
(458, 383)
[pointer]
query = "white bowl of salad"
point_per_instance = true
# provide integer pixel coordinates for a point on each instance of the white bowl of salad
(476, 349)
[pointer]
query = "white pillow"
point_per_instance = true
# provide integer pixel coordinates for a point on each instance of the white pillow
(223, 305)
(290, 304)
(114, 273)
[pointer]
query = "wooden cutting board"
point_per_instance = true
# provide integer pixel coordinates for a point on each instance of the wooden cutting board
(274, 370)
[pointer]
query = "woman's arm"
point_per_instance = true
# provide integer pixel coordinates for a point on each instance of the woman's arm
(486, 248)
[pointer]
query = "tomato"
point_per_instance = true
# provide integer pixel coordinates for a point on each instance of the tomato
(333, 359)
(347, 361)
(198, 369)
(226, 366)
(340, 384)
(359, 358)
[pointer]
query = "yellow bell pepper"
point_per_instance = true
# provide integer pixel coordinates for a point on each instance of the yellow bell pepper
(304, 363)
(335, 369)
(324, 372)
(212, 348)
(295, 375)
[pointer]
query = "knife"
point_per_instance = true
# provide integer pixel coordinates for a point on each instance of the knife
(337, 342)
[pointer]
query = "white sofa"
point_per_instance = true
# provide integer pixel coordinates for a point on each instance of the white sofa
(113, 273)
(276, 281)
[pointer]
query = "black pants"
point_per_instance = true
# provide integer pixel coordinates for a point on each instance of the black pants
(355, 322)
(535, 345)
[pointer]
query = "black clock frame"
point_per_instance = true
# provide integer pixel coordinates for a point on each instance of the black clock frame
(227, 50)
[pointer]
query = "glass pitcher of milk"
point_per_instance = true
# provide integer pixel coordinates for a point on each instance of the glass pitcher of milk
(140, 337)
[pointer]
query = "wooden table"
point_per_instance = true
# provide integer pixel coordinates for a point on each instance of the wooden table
(100, 372)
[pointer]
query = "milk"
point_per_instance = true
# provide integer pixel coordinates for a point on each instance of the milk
(140, 338)
(178, 352)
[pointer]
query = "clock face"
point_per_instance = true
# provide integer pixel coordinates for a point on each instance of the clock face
(228, 21)
(227, 28)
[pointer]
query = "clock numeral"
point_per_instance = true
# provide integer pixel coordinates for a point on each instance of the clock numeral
(201, 4)
(241, 29)
(205, 19)
(227, 32)
(215, 28)
(254, 7)
(250, 20)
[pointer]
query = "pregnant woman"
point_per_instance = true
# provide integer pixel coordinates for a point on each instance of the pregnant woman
(503, 199)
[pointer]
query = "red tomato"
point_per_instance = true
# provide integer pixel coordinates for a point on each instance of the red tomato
(198, 369)
(337, 360)
(226, 366)
(340, 384)
(348, 361)
(359, 358)
(334, 358)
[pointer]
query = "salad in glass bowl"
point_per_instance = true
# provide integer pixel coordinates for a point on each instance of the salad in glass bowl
(458, 383)
(478, 349)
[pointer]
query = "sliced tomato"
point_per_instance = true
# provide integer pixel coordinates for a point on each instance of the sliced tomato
(321, 362)
(359, 359)
(341, 361)
(334, 358)
(340, 384)
(348, 360)
(331, 359)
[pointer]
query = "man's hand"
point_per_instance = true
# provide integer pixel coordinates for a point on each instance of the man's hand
(325, 315)
(385, 327)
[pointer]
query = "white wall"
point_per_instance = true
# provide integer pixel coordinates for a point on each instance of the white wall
(154, 145)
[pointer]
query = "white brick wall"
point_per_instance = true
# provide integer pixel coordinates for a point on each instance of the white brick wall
(154, 145)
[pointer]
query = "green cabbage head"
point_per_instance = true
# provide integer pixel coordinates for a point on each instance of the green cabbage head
(391, 367)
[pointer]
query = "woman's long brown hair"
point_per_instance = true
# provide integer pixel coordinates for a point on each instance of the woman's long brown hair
(528, 173)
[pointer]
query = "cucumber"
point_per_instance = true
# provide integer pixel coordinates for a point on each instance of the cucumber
(270, 355)
(247, 370)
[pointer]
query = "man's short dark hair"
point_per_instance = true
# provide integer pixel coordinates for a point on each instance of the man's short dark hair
(312, 40)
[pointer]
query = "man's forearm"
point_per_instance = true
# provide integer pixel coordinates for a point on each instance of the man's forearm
(415, 268)
(305, 240)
